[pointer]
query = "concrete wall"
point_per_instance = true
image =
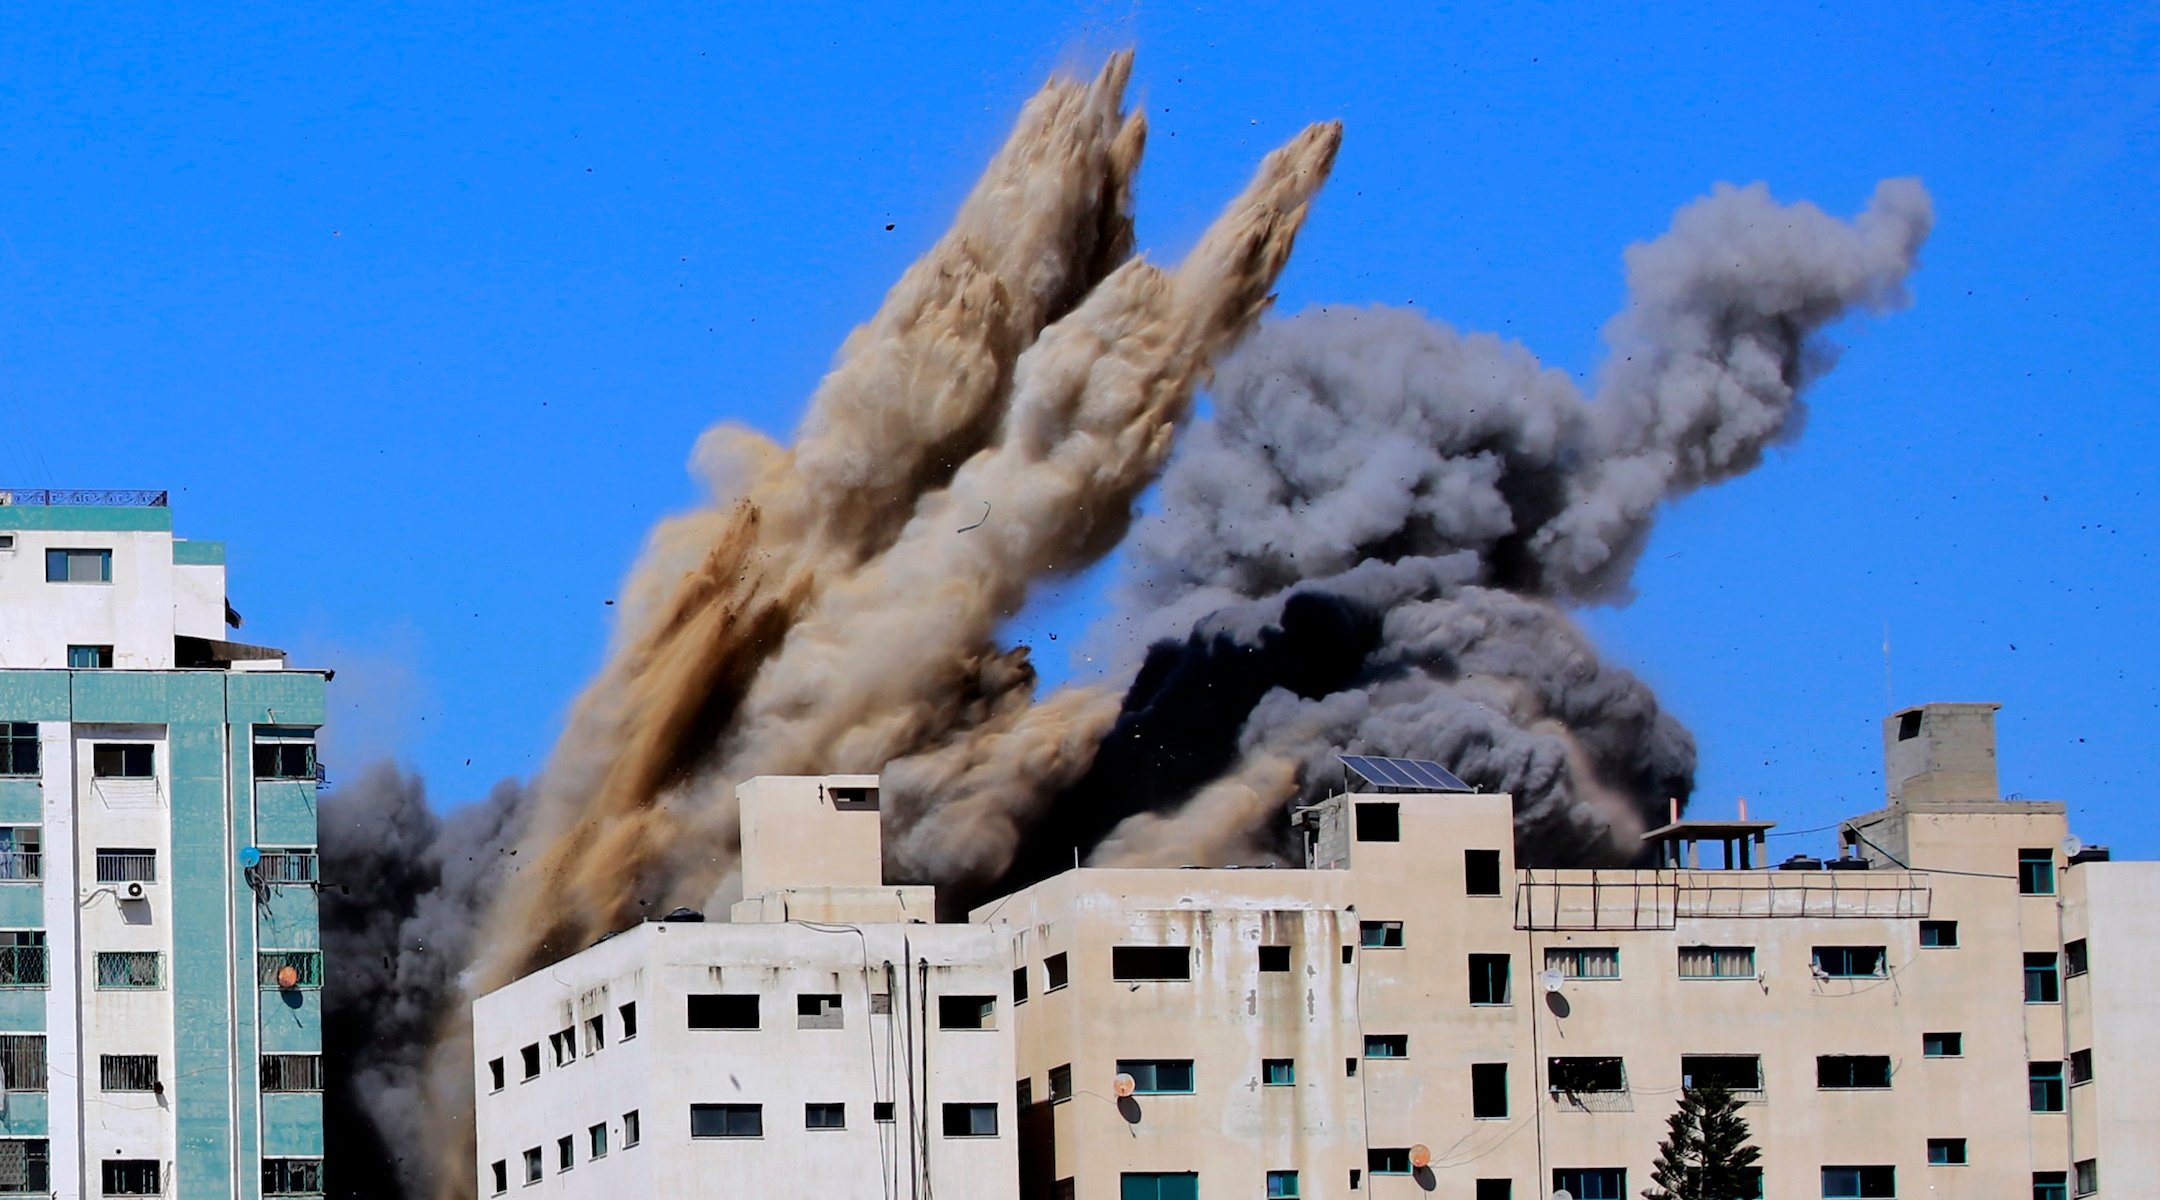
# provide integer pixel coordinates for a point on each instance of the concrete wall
(160, 586)
(2113, 1010)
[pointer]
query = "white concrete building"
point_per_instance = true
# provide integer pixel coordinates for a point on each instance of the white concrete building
(160, 1024)
(828, 1041)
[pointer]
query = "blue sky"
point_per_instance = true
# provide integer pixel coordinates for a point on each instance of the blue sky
(421, 308)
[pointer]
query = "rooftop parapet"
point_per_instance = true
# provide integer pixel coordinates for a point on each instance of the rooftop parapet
(81, 498)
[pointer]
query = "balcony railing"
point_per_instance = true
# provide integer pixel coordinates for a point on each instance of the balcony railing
(1577, 898)
(21, 864)
(127, 868)
(82, 497)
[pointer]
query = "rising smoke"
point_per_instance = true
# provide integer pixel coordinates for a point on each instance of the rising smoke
(1373, 545)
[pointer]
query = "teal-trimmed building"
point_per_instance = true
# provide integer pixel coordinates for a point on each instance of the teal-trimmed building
(160, 964)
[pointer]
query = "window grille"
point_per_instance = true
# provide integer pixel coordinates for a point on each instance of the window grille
(288, 866)
(126, 866)
(306, 968)
(25, 1166)
(22, 958)
(127, 969)
(19, 748)
(22, 1061)
(131, 1177)
(284, 760)
(303, 1073)
(128, 1072)
(292, 1177)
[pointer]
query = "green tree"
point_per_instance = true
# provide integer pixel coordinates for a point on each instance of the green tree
(1706, 1155)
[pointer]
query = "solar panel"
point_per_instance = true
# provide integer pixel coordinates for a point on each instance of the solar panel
(1403, 774)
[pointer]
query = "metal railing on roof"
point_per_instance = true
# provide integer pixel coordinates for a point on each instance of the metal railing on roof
(87, 497)
(1627, 898)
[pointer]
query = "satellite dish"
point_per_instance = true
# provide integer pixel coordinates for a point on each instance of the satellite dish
(1421, 1156)
(1562, 1194)
(288, 977)
(1555, 979)
(1123, 1085)
(2071, 846)
(250, 857)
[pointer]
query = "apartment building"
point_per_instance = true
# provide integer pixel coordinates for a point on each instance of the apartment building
(829, 1039)
(160, 1015)
(1932, 1014)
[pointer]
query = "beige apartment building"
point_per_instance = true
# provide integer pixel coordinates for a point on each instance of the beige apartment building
(1950, 1010)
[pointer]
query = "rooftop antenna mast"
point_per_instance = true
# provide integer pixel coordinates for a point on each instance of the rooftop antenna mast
(1889, 704)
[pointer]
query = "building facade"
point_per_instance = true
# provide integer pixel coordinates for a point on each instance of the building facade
(828, 1040)
(160, 1011)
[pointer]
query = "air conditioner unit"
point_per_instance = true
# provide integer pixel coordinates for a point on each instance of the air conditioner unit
(135, 890)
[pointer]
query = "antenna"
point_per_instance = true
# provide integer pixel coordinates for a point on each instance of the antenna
(1889, 703)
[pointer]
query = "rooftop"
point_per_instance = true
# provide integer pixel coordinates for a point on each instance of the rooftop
(81, 498)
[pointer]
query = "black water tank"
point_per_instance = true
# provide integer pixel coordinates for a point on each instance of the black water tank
(1846, 864)
(684, 914)
(1800, 862)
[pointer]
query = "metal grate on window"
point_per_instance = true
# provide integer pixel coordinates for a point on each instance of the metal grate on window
(22, 958)
(292, 1177)
(128, 1072)
(25, 1166)
(131, 1177)
(126, 866)
(127, 969)
(22, 1061)
(288, 969)
(296, 1072)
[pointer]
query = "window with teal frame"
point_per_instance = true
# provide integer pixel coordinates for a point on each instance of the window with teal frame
(1159, 1185)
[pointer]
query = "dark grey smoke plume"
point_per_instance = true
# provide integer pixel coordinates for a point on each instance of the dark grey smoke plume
(402, 892)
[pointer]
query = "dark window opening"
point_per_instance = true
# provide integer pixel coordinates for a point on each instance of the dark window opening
(971, 1120)
(565, 1153)
(1495, 1189)
(1489, 982)
(1020, 984)
(818, 1010)
(90, 658)
(824, 1116)
(2076, 958)
(2081, 1067)
(1849, 962)
(1908, 725)
(1274, 958)
(1346, 952)
(854, 799)
(1158, 1076)
(1591, 1183)
(1859, 1183)
(1733, 1072)
(1942, 1045)
(629, 1020)
(724, 1011)
(1481, 872)
(123, 760)
(1380, 935)
(19, 753)
(501, 1169)
(1946, 1152)
(1054, 976)
(2051, 1185)
(2036, 872)
(1941, 935)
(1061, 1087)
(1349, 1066)
(1841, 1071)
(967, 1012)
(1023, 1095)
(1387, 1045)
(2041, 985)
(2046, 1084)
(727, 1120)
(1585, 1075)
(1394, 1160)
(1488, 1091)
(881, 1110)
(530, 1057)
(131, 1176)
(128, 1072)
(495, 1072)
(1278, 1072)
(1379, 822)
(1150, 962)
(284, 760)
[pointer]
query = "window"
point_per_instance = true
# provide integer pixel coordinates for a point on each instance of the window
(596, 1141)
(123, 760)
(19, 857)
(2076, 959)
(1349, 1066)
(292, 1177)
(628, 1013)
(1281, 1184)
(2041, 986)
(1489, 979)
(1733, 1072)
(128, 1072)
(1023, 1095)
(2081, 1067)
(303, 1073)
(1717, 962)
(1064, 1189)
(1020, 985)
(1591, 1183)
(1843, 1183)
(595, 1033)
(1061, 1088)
(629, 1129)
(1908, 728)
(1387, 1045)
(531, 1060)
(565, 1154)
(727, 1120)
(303, 969)
(1278, 1072)
(2036, 872)
(824, 1116)
(1274, 958)
(1946, 1152)
(2051, 1185)
(1380, 935)
(564, 1046)
(1157, 1185)
(1942, 1045)
(1849, 962)
(22, 1061)
(2088, 1176)
(284, 760)
(78, 566)
(1481, 872)
(1355, 1175)
(1054, 972)
(127, 969)
(2046, 1085)
(1379, 822)
(970, 1120)
(1495, 1189)
(131, 1176)
(967, 1012)
(1393, 1160)
(1586, 1074)
(1592, 963)
(1488, 1091)
(1150, 962)
(90, 658)
(126, 865)
(882, 1110)
(1938, 935)
(724, 1012)
(532, 1165)
(1158, 1076)
(1840, 1071)
(501, 1170)
(1346, 952)
(814, 1010)
(25, 1165)
(22, 958)
(19, 748)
